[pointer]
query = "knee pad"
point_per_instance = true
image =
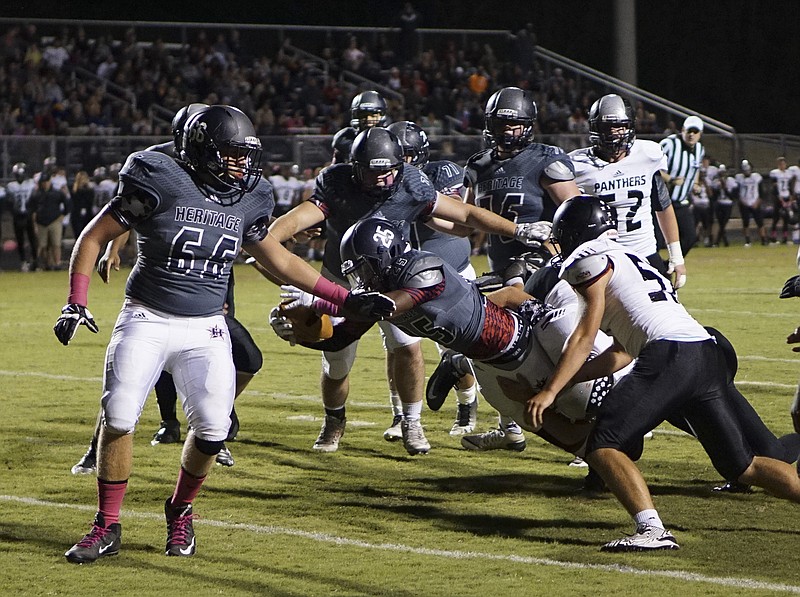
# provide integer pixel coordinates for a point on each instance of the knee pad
(337, 365)
(206, 447)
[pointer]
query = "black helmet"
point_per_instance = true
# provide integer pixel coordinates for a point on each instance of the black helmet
(364, 105)
(608, 113)
(221, 147)
(341, 144)
(514, 106)
(179, 121)
(19, 170)
(375, 153)
(580, 219)
(368, 249)
(414, 141)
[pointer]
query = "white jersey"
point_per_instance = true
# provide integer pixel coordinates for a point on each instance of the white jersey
(628, 186)
(724, 188)
(19, 194)
(641, 306)
(286, 190)
(783, 182)
(748, 188)
(795, 170)
(104, 192)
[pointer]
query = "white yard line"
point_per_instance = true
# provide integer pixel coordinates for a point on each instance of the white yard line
(739, 583)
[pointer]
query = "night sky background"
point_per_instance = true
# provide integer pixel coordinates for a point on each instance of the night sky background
(737, 61)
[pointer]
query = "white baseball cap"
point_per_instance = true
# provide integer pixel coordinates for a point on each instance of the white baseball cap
(693, 122)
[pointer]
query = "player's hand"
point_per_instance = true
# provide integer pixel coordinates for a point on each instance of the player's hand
(791, 287)
(678, 273)
(367, 306)
(535, 407)
(282, 326)
(533, 234)
(306, 235)
(108, 261)
(292, 297)
(72, 316)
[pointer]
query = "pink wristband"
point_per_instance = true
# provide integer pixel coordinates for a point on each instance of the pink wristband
(323, 306)
(330, 291)
(78, 289)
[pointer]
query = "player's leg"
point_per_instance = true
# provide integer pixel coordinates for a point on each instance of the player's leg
(169, 430)
(335, 387)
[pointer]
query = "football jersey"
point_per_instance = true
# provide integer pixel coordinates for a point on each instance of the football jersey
(448, 179)
(511, 188)
(724, 186)
(104, 192)
(641, 306)
(628, 185)
(343, 203)
(783, 182)
(748, 188)
(19, 193)
(186, 242)
(795, 170)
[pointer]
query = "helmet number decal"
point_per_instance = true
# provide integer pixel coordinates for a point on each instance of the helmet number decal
(383, 236)
(197, 133)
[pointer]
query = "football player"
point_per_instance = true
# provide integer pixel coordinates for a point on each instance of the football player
(679, 370)
(19, 192)
(193, 216)
(447, 178)
(785, 200)
(522, 181)
(626, 172)
(749, 192)
(378, 182)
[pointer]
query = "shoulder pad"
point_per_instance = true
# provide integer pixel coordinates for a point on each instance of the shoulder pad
(423, 272)
(586, 269)
(559, 171)
(651, 149)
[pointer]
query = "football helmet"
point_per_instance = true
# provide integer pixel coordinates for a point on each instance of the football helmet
(49, 165)
(19, 170)
(377, 159)
(579, 219)
(746, 167)
(113, 170)
(368, 249)
(99, 173)
(221, 147)
(341, 144)
(414, 141)
(509, 106)
(612, 127)
(179, 121)
(367, 109)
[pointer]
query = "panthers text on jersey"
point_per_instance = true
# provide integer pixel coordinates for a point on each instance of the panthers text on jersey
(186, 242)
(343, 203)
(512, 188)
(641, 306)
(630, 186)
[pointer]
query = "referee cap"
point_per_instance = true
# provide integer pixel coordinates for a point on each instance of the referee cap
(693, 122)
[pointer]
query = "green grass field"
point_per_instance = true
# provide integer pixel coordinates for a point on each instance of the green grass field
(369, 519)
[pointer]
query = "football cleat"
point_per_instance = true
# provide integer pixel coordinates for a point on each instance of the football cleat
(578, 461)
(646, 538)
(100, 542)
(593, 483)
(87, 465)
(330, 434)
(224, 457)
(496, 439)
(233, 430)
(180, 531)
(414, 438)
(168, 433)
(394, 432)
(443, 379)
(732, 487)
(466, 418)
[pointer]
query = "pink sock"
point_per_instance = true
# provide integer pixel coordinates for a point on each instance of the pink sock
(187, 488)
(109, 498)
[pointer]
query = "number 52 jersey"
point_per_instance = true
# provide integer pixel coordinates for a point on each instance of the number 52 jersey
(629, 185)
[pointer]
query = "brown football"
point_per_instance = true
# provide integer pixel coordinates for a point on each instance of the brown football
(308, 325)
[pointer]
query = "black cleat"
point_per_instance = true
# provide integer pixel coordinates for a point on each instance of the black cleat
(98, 543)
(87, 465)
(168, 433)
(733, 487)
(443, 379)
(180, 531)
(233, 430)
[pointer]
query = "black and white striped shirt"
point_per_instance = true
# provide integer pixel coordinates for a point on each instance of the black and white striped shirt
(682, 163)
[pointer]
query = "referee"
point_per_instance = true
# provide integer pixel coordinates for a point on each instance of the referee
(684, 153)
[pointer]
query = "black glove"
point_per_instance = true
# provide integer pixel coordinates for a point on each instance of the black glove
(367, 306)
(72, 316)
(791, 287)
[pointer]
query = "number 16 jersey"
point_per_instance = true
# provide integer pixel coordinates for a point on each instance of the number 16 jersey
(630, 186)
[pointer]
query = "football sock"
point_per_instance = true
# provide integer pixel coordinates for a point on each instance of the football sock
(510, 425)
(336, 413)
(397, 404)
(467, 396)
(412, 410)
(649, 517)
(187, 488)
(109, 499)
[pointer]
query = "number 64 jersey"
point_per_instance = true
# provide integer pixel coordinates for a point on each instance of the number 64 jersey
(633, 185)
(186, 241)
(640, 304)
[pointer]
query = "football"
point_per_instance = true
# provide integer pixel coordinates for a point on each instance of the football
(308, 325)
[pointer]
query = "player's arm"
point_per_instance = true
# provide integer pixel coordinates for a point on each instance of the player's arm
(448, 227)
(509, 297)
(110, 258)
(577, 350)
(558, 180)
(303, 216)
(668, 223)
(606, 363)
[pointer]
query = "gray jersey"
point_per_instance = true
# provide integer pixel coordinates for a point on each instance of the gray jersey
(186, 242)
